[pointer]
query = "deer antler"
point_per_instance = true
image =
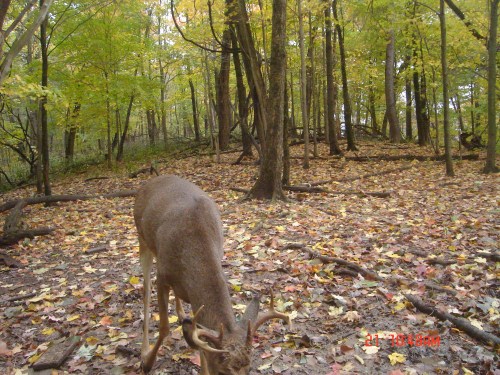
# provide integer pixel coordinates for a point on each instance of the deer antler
(271, 314)
(193, 335)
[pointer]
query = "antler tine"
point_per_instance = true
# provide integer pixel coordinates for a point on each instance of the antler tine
(202, 332)
(271, 314)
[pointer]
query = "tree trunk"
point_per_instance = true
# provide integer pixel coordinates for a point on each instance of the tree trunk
(43, 102)
(196, 122)
(409, 129)
(330, 84)
(303, 87)
(69, 150)
(285, 179)
(246, 138)
(490, 165)
(373, 112)
(223, 99)
(390, 95)
(269, 184)
(253, 72)
(446, 104)
(351, 146)
(119, 153)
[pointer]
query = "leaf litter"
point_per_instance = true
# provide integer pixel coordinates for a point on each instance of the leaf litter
(427, 238)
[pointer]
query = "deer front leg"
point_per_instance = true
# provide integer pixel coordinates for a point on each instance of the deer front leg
(203, 364)
(163, 291)
(181, 314)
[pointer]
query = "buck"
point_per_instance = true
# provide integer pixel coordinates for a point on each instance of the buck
(180, 226)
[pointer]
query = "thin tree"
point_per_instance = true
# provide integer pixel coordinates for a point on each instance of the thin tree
(330, 97)
(446, 104)
(390, 95)
(303, 87)
(351, 146)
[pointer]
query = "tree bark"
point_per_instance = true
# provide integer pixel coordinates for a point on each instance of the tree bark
(390, 95)
(121, 144)
(446, 104)
(246, 138)
(330, 83)
(196, 122)
(490, 166)
(409, 128)
(303, 87)
(43, 101)
(223, 99)
(269, 184)
(351, 146)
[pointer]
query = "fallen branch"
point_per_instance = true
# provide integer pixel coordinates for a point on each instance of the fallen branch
(16, 236)
(440, 261)
(305, 189)
(9, 261)
(410, 157)
(98, 249)
(19, 298)
(240, 190)
(96, 178)
(55, 356)
(460, 323)
(65, 198)
(404, 168)
(327, 259)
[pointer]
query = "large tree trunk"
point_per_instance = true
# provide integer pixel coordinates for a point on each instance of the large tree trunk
(269, 184)
(330, 83)
(390, 95)
(351, 146)
(446, 104)
(43, 102)
(492, 100)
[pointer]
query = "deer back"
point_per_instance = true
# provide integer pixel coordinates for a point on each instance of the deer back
(181, 225)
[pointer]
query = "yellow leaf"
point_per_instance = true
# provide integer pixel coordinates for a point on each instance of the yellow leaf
(396, 358)
(399, 306)
(72, 318)
(112, 288)
(92, 340)
(48, 331)
(173, 319)
(34, 358)
(134, 280)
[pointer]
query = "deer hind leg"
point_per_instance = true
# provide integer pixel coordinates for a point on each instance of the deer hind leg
(146, 259)
(163, 293)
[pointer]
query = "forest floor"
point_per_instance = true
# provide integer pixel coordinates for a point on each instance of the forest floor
(427, 237)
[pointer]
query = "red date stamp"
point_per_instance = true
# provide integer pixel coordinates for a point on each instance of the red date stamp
(401, 339)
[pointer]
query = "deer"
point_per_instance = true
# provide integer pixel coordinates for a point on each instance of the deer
(180, 226)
